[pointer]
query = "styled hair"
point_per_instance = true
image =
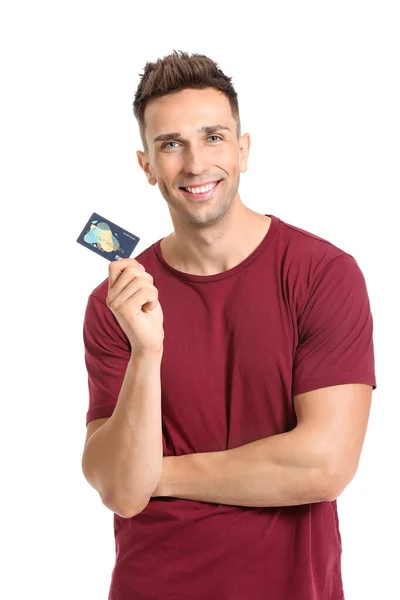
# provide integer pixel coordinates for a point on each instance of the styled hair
(174, 73)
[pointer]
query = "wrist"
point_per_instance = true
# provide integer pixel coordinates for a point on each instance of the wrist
(146, 355)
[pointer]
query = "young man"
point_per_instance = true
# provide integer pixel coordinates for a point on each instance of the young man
(230, 382)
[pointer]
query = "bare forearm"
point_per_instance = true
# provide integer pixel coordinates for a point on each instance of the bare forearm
(281, 470)
(123, 458)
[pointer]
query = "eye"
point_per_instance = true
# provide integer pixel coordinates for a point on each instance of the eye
(215, 136)
(165, 145)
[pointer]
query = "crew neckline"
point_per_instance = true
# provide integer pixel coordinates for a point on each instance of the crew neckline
(224, 274)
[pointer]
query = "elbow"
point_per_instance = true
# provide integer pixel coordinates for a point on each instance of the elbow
(123, 508)
(333, 483)
(328, 494)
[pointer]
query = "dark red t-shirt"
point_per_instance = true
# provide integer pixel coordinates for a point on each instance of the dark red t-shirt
(292, 317)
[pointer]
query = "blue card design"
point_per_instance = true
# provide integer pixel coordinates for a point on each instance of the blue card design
(107, 239)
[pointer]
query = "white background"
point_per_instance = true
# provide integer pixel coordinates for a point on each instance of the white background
(318, 87)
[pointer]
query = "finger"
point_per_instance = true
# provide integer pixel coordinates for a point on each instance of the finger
(148, 299)
(132, 292)
(127, 276)
(116, 267)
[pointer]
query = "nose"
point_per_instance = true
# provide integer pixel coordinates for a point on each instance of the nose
(196, 160)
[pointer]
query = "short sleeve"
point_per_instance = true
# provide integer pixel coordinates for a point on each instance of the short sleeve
(107, 354)
(335, 330)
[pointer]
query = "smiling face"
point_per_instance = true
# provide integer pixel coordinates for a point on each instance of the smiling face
(186, 148)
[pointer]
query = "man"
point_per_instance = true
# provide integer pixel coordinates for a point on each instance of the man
(230, 382)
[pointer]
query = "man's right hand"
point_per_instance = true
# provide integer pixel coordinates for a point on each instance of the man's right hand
(133, 299)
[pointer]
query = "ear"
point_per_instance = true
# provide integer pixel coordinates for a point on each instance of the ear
(144, 164)
(244, 150)
(141, 159)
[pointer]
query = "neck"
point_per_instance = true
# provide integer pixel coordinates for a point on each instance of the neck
(215, 249)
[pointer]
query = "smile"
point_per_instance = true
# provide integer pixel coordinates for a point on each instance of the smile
(200, 195)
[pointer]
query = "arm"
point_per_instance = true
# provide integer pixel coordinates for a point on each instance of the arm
(122, 460)
(280, 470)
(311, 463)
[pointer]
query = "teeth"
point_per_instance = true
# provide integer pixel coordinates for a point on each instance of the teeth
(201, 190)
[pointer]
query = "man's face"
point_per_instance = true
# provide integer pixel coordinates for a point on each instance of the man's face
(195, 157)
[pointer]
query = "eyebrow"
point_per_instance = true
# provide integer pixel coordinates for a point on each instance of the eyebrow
(206, 129)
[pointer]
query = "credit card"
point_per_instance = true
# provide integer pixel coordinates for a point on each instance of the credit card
(107, 239)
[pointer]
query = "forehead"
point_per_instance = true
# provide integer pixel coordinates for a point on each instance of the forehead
(187, 109)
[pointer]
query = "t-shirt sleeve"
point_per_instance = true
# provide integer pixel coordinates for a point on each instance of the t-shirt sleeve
(107, 354)
(335, 330)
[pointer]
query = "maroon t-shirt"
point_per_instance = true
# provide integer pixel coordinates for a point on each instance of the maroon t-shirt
(293, 316)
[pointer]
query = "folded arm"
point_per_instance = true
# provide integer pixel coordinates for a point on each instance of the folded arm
(314, 462)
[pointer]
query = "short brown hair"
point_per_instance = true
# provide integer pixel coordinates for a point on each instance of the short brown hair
(174, 73)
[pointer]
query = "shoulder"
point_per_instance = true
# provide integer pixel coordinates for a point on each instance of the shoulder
(306, 254)
(308, 243)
